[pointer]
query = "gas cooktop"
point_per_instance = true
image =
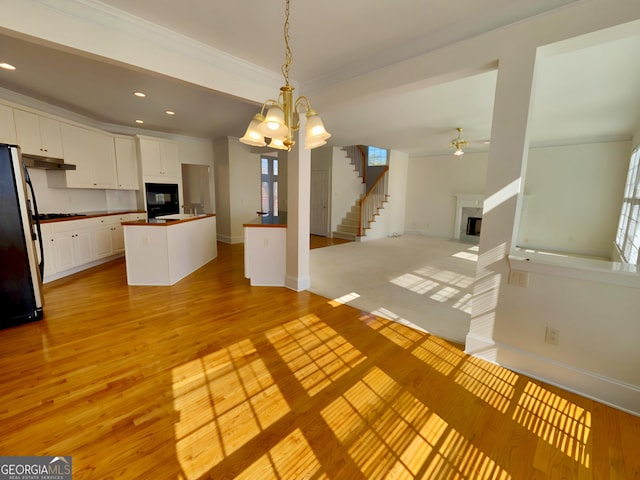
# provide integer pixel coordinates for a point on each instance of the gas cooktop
(50, 216)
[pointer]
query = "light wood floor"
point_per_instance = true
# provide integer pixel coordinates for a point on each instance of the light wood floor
(212, 378)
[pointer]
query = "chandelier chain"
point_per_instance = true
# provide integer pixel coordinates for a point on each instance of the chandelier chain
(288, 56)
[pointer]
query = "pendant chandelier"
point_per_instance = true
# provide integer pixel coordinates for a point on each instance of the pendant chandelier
(458, 143)
(283, 115)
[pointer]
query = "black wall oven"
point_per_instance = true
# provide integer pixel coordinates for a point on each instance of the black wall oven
(162, 199)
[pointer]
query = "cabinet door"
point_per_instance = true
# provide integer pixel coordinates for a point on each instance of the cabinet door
(82, 247)
(77, 147)
(169, 157)
(126, 163)
(51, 137)
(101, 241)
(28, 132)
(49, 260)
(7, 125)
(62, 251)
(150, 156)
(104, 160)
(117, 238)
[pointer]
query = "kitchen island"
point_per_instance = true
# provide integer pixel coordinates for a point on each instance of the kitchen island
(265, 250)
(165, 250)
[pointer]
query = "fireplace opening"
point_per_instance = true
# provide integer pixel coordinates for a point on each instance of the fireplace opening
(473, 226)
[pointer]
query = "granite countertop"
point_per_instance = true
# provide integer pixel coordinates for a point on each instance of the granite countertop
(80, 216)
(165, 222)
(268, 221)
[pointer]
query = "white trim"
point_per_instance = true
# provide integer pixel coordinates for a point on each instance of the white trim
(297, 284)
(607, 390)
(613, 273)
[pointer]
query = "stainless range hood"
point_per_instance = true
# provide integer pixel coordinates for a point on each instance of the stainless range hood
(46, 163)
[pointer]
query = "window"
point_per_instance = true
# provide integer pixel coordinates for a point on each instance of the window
(628, 235)
(269, 184)
(377, 157)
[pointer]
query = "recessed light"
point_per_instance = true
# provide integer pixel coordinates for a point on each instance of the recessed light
(139, 121)
(7, 66)
(140, 94)
(169, 112)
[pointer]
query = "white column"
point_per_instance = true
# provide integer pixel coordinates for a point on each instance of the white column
(298, 211)
(505, 175)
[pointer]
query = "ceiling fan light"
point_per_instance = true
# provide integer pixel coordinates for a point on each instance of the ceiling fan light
(458, 152)
(252, 136)
(273, 124)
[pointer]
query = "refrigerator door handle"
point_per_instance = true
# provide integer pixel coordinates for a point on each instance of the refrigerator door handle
(36, 220)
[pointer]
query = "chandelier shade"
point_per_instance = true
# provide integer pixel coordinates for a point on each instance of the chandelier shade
(273, 124)
(252, 136)
(282, 117)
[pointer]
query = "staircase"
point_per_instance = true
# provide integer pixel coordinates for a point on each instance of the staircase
(357, 221)
(350, 224)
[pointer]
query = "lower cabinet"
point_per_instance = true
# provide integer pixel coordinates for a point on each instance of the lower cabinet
(70, 249)
(74, 245)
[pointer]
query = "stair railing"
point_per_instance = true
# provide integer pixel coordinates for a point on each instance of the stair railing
(371, 202)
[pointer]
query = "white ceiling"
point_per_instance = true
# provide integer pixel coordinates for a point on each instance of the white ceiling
(333, 41)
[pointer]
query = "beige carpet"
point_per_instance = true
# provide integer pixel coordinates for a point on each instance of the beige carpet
(420, 281)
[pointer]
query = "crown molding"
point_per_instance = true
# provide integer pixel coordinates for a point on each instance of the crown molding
(111, 22)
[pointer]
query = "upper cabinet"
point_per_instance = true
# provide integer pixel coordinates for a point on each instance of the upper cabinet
(7, 126)
(127, 163)
(159, 158)
(38, 135)
(93, 154)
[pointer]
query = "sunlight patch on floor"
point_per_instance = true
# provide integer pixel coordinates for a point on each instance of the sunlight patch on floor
(561, 423)
(343, 300)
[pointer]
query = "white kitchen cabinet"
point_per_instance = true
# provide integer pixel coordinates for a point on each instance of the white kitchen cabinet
(7, 126)
(117, 230)
(159, 157)
(93, 154)
(38, 135)
(74, 245)
(126, 163)
(70, 249)
(101, 238)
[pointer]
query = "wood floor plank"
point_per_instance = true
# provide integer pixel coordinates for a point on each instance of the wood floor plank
(213, 378)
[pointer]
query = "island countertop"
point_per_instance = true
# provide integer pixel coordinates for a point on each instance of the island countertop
(268, 221)
(163, 256)
(166, 222)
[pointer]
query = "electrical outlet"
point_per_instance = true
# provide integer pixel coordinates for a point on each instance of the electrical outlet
(552, 336)
(519, 278)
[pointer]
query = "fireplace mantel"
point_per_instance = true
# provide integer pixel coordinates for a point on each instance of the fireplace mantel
(464, 200)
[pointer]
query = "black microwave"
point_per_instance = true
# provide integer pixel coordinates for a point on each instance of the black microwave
(162, 199)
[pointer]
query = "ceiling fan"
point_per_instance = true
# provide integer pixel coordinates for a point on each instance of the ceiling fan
(458, 143)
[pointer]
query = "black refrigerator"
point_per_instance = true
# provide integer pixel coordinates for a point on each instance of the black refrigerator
(21, 254)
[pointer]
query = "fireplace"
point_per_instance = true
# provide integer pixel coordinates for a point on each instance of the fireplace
(473, 226)
(468, 220)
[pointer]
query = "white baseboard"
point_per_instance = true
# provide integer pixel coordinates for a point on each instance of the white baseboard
(229, 240)
(297, 284)
(589, 384)
(80, 268)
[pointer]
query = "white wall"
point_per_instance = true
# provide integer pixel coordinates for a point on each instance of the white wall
(573, 196)
(244, 187)
(222, 189)
(433, 182)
